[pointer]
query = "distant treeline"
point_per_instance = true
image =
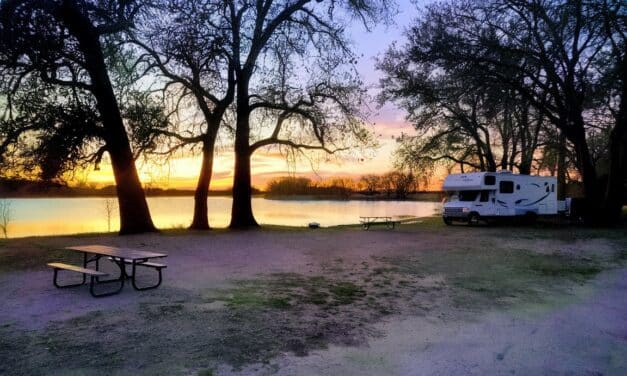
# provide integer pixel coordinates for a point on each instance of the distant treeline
(393, 186)
(32, 188)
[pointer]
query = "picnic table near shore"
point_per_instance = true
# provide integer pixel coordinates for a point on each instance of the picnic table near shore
(389, 222)
(368, 221)
(92, 254)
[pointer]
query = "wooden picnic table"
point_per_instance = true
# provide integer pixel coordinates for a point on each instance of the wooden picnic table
(366, 222)
(116, 252)
(120, 257)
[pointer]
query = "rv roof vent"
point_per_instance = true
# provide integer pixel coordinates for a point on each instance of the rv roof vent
(503, 172)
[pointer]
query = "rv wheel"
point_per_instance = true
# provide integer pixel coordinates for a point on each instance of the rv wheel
(530, 218)
(473, 219)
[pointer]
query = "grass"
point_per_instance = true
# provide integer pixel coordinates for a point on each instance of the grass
(34, 256)
(560, 266)
(289, 290)
(346, 292)
(494, 275)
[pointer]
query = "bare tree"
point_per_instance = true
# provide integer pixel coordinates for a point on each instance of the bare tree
(109, 210)
(267, 38)
(5, 216)
(183, 42)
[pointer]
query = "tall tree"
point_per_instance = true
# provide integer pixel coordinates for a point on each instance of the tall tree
(259, 27)
(547, 51)
(62, 42)
(184, 42)
(612, 15)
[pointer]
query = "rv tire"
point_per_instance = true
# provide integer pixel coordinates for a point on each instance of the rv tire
(447, 221)
(473, 219)
(530, 218)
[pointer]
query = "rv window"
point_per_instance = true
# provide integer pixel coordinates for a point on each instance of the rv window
(552, 187)
(506, 186)
(489, 180)
(485, 195)
(467, 195)
(518, 187)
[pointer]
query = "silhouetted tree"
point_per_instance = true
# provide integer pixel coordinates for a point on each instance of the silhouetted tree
(185, 42)
(290, 186)
(460, 117)
(267, 39)
(611, 14)
(370, 183)
(398, 183)
(64, 43)
(549, 52)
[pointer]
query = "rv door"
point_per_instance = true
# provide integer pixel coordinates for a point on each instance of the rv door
(485, 205)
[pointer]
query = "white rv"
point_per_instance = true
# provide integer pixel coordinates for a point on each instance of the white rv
(490, 195)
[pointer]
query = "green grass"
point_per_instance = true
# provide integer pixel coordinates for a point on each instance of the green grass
(289, 290)
(500, 275)
(559, 266)
(15, 259)
(346, 292)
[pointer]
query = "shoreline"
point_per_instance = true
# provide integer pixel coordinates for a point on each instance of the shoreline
(423, 196)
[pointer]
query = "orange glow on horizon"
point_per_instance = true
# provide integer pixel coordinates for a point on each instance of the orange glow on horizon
(182, 172)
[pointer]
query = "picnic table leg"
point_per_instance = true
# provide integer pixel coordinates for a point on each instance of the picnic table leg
(97, 267)
(120, 265)
(96, 280)
(57, 285)
(134, 280)
(93, 283)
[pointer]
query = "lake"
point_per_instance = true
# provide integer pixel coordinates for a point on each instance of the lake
(59, 216)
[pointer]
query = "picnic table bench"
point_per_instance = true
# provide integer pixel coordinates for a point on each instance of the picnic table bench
(118, 256)
(366, 222)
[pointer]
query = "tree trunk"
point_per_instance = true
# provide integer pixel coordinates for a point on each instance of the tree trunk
(593, 207)
(201, 220)
(134, 212)
(527, 145)
(561, 167)
(241, 210)
(615, 192)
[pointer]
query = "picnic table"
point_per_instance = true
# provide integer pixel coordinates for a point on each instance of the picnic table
(121, 257)
(366, 222)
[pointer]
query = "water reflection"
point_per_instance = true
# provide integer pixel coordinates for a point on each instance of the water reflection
(58, 216)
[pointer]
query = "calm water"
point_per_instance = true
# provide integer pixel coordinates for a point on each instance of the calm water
(58, 216)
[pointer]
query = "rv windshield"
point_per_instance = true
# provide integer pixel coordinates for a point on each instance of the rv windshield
(468, 195)
(450, 197)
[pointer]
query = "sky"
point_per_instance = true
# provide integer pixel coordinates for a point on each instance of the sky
(388, 123)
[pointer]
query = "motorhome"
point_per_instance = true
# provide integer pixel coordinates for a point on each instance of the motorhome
(492, 195)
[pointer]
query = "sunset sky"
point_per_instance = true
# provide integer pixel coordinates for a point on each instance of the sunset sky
(389, 122)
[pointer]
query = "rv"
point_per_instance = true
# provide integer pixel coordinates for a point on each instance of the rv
(492, 195)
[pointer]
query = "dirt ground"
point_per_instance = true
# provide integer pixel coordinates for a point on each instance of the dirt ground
(423, 299)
